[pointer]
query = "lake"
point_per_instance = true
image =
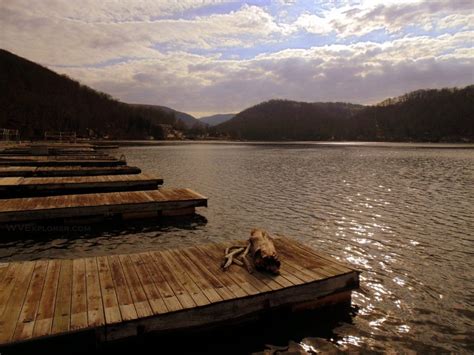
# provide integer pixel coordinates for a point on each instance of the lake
(402, 214)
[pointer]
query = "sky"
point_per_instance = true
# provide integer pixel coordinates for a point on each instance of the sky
(205, 57)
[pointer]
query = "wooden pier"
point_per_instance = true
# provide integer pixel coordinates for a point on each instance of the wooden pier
(49, 186)
(129, 204)
(61, 162)
(126, 295)
(52, 171)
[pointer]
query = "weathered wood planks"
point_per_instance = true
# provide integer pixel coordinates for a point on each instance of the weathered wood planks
(106, 204)
(48, 186)
(34, 171)
(153, 291)
(62, 162)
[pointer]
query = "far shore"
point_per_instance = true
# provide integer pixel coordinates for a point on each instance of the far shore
(455, 145)
(377, 144)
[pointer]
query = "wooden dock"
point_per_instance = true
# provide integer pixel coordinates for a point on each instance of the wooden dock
(49, 186)
(55, 171)
(43, 182)
(64, 161)
(129, 204)
(125, 295)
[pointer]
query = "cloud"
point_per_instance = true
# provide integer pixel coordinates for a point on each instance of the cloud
(80, 42)
(190, 54)
(369, 16)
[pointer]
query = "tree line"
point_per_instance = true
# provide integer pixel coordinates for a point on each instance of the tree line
(423, 115)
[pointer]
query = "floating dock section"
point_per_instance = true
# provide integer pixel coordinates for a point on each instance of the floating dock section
(126, 295)
(48, 186)
(34, 171)
(129, 204)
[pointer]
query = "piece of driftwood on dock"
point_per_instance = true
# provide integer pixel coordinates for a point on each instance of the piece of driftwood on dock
(259, 253)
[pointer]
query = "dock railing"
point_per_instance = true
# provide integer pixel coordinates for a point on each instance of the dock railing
(66, 136)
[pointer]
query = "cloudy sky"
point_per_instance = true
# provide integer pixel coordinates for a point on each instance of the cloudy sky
(205, 57)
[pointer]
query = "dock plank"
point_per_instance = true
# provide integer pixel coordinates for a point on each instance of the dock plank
(109, 295)
(166, 292)
(157, 303)
(181, 293)
(136, 289)
(44, 317)
(95, 309)
(26, 321)
(11, 313)
(79, 295)
(62, 310)
(124, 297)
(197, 277)
(216, 271)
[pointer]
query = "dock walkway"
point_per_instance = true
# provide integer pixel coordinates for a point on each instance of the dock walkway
(35, 171)
(49, 186)
(125, 295)
(106, 204)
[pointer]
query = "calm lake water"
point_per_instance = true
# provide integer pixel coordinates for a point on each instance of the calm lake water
(402, 215)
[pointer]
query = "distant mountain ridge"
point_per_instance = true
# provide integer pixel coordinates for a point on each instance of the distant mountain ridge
(214, 120)
(188, 120)
(423, 115)
(34, 99)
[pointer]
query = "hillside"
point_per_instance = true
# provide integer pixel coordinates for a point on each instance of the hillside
(35, 99)
(291, 120)
(214, 120)
(423, 115)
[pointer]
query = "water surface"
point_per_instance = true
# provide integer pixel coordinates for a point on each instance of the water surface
(402, 215)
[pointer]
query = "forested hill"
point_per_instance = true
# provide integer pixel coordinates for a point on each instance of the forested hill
(35, 99)
(291, 120)
(423, 115)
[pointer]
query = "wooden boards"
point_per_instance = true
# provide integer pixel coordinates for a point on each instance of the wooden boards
(123, 295)
(42, 187)
(34, 171)
(49, 186)
(64, 161)
(103, 204)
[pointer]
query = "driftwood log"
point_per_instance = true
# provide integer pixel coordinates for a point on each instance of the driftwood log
(259, 253)
(263, 251)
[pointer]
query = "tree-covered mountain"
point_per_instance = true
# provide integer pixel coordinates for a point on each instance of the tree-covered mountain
(291, 120)
(214, 120)
(423, 115)
(34, 99)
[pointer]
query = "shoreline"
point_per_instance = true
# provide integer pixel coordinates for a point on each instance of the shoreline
(368, 144)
